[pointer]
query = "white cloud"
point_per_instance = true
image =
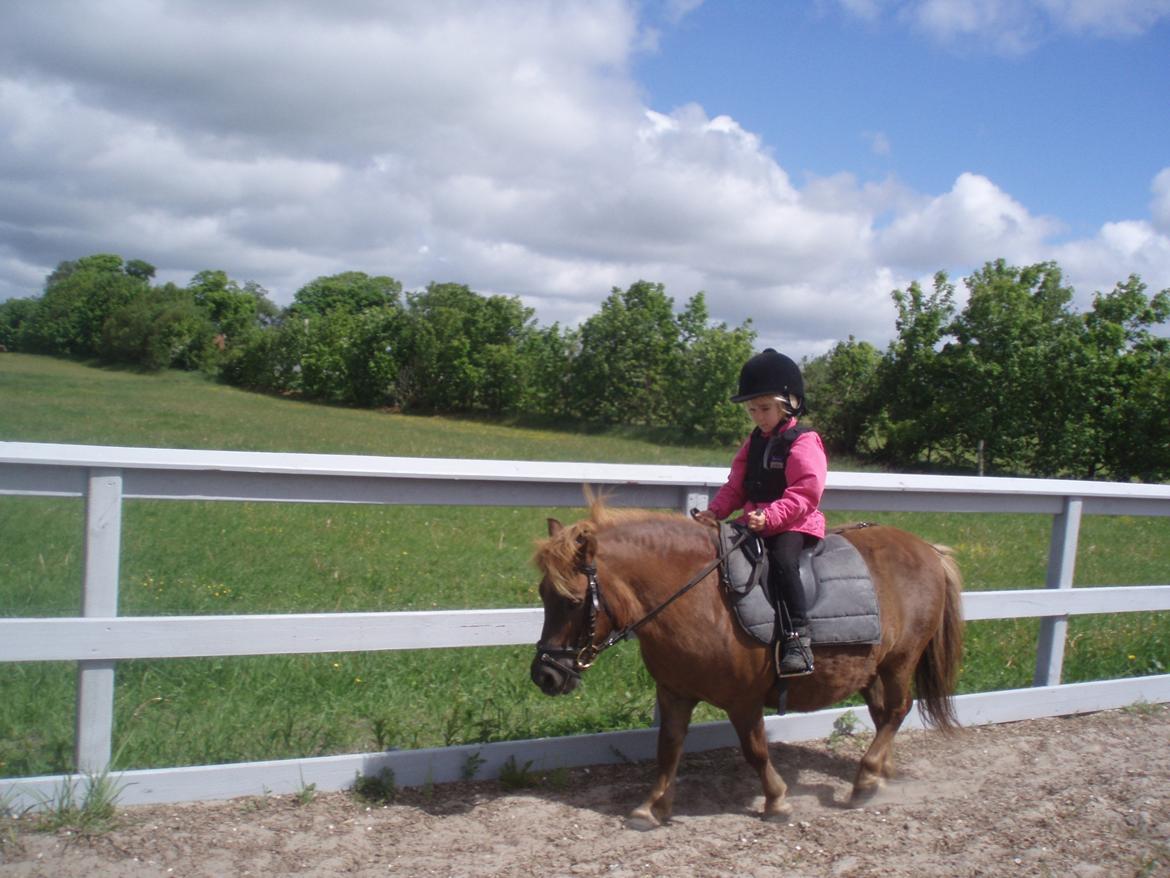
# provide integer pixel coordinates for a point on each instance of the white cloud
(1016, 26)
(964, 226)
(879, 143)
(501, 145)
(677, 10)
(1110, 18)
(867, 10)
(1118, 250)
(341, 81)
(1122, 248)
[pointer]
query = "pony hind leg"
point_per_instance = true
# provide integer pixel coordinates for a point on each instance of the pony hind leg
(888, 699)
(674, 720)
(749, 725)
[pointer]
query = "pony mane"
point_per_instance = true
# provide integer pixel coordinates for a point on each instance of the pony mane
(558, 556)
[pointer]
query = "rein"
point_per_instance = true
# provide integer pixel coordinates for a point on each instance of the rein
(586, 652)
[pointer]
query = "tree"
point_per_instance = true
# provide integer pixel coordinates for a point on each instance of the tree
(349, 357)
(841, 386)
(627, 368)
(709, 364)
(236, 311)
(237, 314)
(325, 357)
(16, 315)
(1014, 358)
(459, 351)
(270, 359)
(504, 325)
(1124, 387)
(79, 297)
(156, 329)
(909, 381)
(140, 269)
(546, 364)
(351, 291)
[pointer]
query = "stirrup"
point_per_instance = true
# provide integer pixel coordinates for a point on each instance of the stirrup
(793, 656)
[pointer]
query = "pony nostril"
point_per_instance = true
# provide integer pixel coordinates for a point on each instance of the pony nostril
(543, 676)
(549, 679)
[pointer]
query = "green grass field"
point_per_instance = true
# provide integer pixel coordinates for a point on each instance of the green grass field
(193, 558)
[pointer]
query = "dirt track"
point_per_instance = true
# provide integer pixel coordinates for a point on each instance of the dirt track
(1082, 796)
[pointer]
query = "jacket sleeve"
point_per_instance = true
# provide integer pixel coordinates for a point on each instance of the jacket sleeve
(732, 495)
(806, 471)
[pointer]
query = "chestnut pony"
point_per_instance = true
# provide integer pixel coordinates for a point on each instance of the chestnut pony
(610, 571)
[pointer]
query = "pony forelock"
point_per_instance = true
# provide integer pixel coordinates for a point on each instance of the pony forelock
(556, 557)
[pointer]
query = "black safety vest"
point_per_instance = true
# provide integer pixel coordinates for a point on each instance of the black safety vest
(764, 480)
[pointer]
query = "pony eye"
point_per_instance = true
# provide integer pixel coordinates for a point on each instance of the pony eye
(572, 600)
(549, 592)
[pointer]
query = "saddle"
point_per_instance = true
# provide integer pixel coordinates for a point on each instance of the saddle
(839, 593)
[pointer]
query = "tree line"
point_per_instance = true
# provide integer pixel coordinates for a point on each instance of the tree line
(1014, 381)
(360, 340)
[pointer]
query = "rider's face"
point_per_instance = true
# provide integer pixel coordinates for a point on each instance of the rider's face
(766, 412)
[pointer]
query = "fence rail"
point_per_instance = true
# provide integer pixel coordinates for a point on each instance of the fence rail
(106, 476)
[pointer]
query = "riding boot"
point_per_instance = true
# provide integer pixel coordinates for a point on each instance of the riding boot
(796, 658)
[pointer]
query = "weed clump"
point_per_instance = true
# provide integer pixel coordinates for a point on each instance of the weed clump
(380, 788)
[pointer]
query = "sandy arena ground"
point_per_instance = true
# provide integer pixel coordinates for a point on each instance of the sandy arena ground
(1080, 796)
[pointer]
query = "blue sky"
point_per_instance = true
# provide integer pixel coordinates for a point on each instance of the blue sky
(794, 161)
(1075, 127)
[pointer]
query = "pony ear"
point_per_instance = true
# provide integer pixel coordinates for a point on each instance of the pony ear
(586, 546)
(554, 527)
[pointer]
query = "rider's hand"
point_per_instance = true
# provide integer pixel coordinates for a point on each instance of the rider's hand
(757, 521)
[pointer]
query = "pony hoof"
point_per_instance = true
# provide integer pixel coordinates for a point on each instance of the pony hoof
(864, 795)
(643, 821)
(778, 813)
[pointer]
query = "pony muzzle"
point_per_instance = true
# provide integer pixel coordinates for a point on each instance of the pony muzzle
(552, 674)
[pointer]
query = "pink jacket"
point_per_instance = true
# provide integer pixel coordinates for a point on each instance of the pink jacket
(797, 509)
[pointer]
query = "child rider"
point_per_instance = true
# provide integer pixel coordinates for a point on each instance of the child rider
(777, 478)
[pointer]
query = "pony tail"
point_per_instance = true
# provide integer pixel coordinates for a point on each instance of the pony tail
(938, 669)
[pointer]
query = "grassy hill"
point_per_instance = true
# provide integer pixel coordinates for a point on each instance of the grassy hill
(191, 558)
(43, 399)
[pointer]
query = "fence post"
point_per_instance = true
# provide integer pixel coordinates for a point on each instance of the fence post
(694, 498)
(95, 679)
(1062, 562)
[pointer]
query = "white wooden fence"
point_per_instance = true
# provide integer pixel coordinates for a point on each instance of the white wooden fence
(99, 638)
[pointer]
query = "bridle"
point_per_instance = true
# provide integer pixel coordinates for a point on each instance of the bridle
(571, 661)
(574, 660)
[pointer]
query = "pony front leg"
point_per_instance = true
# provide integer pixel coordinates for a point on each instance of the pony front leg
(674, 719)
(749, 725)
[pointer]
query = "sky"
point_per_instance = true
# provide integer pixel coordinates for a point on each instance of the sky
(794, 161)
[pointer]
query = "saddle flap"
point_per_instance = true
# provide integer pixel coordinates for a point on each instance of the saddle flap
(843, 607)
(743, 567)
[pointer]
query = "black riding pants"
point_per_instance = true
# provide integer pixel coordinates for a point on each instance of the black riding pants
(784, 572)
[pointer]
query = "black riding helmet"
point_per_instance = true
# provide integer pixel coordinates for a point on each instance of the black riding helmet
(770, 373)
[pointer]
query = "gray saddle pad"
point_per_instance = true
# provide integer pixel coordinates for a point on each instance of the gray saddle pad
(839, 594)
